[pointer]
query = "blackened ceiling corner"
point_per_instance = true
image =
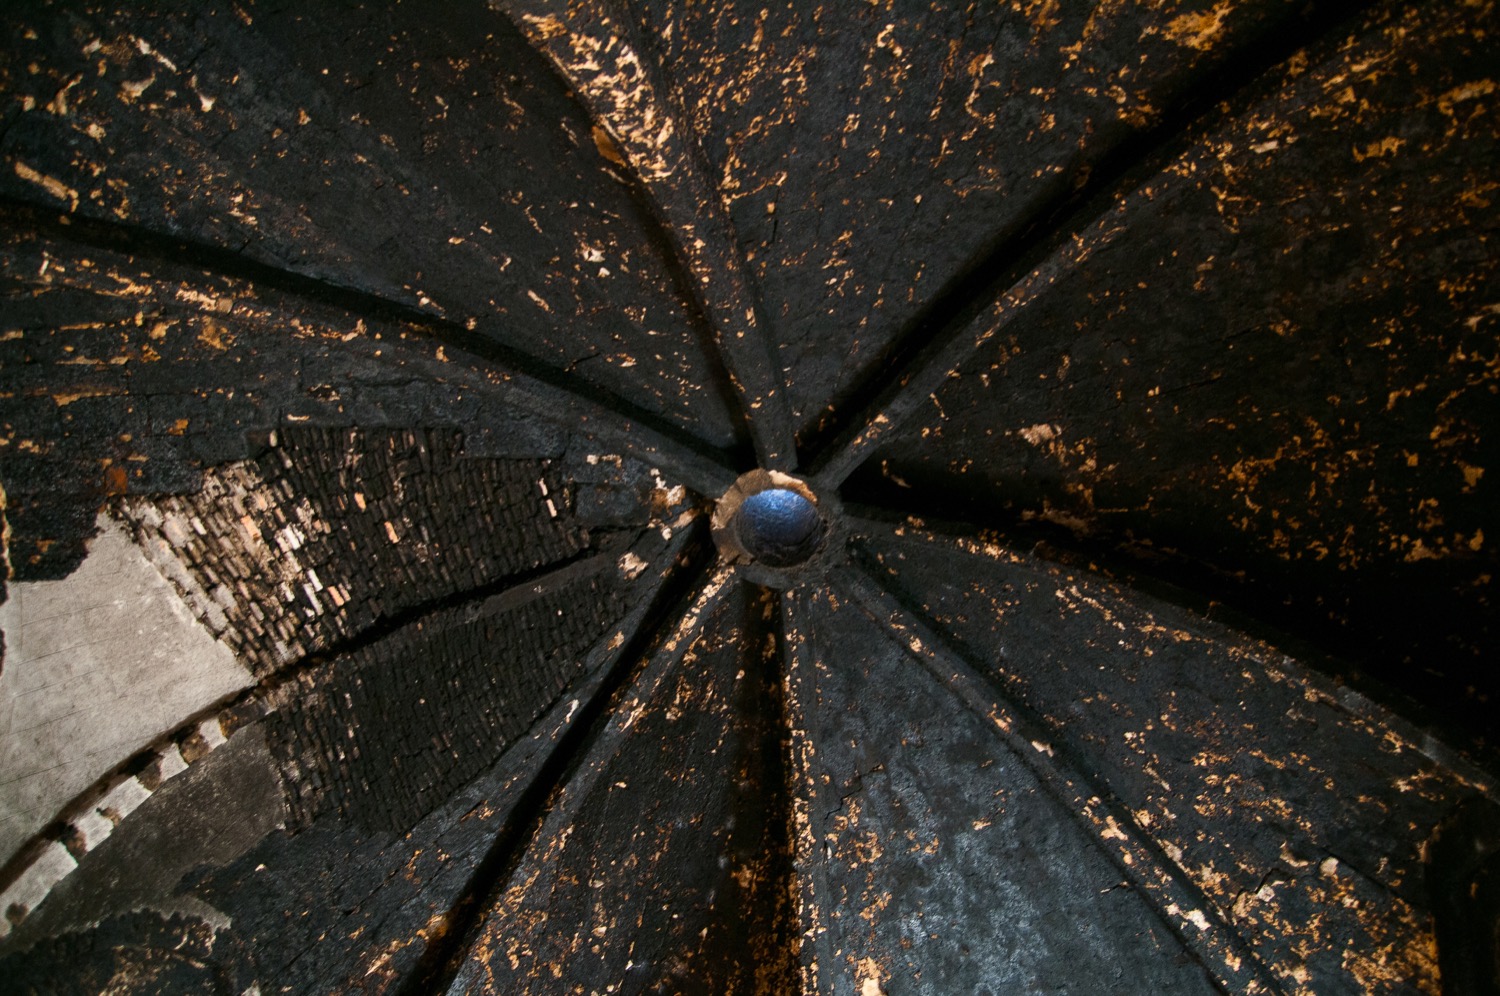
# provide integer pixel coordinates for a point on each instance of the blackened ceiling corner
(388, 392)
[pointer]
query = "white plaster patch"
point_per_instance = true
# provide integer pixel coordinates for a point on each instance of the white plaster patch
(97, 666)
(93, 828)
(209, 730)
(33, 884)
(170, 763)
(121, 800)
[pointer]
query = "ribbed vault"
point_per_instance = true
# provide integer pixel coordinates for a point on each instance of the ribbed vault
(1116, 384)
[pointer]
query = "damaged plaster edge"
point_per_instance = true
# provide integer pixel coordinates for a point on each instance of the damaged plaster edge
(98, 666)
(82, 823)
(10, 571)
(90, 818)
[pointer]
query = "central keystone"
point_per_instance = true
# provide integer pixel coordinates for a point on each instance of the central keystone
(779, 527)
(772, 523)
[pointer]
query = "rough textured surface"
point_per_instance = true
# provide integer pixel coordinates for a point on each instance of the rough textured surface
(96, 667)
(139, 952)
(841, 137)
(128, 372)
(416, 340)
(430, 161)
(381, 736)
(252, 548)
(665, 854)
(616, 77)
(1270, 369)
(911, 802)
(1464, 877)
(1297, 816)
(209, 815)
(336, 907)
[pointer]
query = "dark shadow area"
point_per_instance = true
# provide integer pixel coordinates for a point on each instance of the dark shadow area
(1464, 877)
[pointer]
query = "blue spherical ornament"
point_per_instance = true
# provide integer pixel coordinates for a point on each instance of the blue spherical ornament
(779, 527)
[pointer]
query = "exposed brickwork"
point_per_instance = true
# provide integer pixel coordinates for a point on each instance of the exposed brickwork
(382, 735)
(329, 531)
(1207, 292)
(184, 376)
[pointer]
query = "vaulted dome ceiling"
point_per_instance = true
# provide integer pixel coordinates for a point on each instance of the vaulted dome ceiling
(710, 497)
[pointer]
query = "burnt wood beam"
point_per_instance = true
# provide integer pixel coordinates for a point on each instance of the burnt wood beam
(1107, 679)
(976, 307)
(1361, 699)
(799, 660)
(1285, 334)
(597, 52)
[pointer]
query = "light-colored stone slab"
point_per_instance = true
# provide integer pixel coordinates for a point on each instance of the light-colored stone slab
(51, 866)
(96, 667)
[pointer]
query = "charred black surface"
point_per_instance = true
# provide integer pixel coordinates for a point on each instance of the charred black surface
(918, 802)
(430, 160)
(339, 909)
(139, 952)
(335, 907)
(640, 125)
(1268, 371)
(666, 852)
(357, 743)
(414, 341)
(1286, 804)
(1464, 877)
(363, 508)
(845, 136)
(653, 623)
(128, 373)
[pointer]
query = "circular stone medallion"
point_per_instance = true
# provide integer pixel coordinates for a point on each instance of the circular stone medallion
(779, 526)
(773, 527)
